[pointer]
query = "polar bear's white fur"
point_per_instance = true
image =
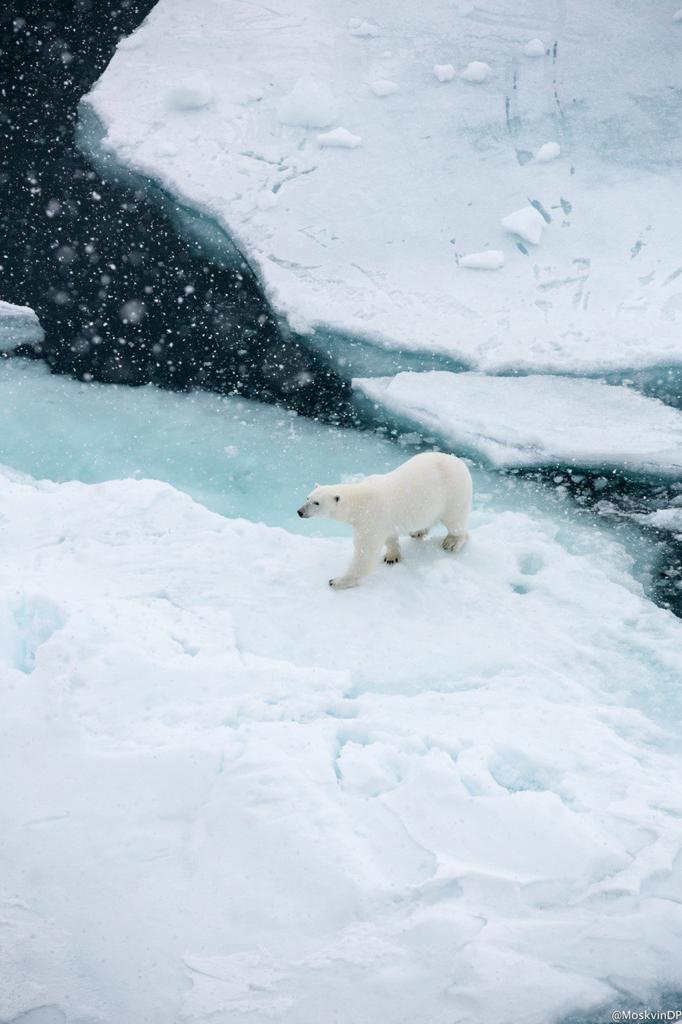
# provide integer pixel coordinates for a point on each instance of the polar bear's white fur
(427, 489)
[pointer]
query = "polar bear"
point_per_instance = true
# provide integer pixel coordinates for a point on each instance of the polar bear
(427, 489)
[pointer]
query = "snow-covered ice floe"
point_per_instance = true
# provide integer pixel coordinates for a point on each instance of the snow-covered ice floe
(236, 794)
(668, 519)
(19, 325)
(539, 420)
(363, 243)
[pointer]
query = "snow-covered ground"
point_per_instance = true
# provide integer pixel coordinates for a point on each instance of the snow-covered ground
(540, 420)
(18, 326)
(229, 106)
(455, 792)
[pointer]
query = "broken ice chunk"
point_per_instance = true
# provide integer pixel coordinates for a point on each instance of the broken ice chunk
(18, 326)
(548, 151)
(192, 93)
(362, 29)
(444, 72)
(526, 223)
(310, 104)
(476, 71)
(534, 48)
(340, 138)
(491, 259)
(383, 87)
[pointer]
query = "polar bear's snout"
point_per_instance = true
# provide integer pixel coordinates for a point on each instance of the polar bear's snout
(308, 509)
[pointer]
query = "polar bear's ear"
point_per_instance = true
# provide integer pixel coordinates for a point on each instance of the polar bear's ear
(317, 485)
(337, 497)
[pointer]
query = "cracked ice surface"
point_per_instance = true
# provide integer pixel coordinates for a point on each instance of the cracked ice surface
(538, 420)
(455, 791)
(364, 241)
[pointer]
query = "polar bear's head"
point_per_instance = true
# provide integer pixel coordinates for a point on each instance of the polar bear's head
(326, 502)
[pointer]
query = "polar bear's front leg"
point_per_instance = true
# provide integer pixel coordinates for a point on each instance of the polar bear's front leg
(392, 554)
(366, 548)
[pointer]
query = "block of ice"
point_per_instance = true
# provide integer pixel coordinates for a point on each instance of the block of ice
(19, 325)
(444, 72)
(527, 223)
(534, 48)
(339, 138)
(490, 259)
(476, 71)
(548, 151)
(537, 420)
(664, 519)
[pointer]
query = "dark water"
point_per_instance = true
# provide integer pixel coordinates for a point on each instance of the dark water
(121, 297)
(622, 500)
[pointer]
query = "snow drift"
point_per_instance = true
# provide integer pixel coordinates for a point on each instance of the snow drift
(237, 793)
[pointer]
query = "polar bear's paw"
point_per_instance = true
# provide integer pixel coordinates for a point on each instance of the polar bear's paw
(455, 541)
(343, 582)
(392, 553)
(419, 534)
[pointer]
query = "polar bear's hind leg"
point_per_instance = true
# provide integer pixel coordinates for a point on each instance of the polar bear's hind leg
(455, 519)
(455, 541)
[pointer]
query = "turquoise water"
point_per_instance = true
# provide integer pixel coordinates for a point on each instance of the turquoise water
(237, 457)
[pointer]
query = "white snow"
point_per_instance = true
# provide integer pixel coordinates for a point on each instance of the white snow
(339, 138)
(383, 87)
(490, 259)
(527, 223)
(476, 71)
(677, 16)
(546, 152)
(192, 93)
(534, 48)
(455, 793)
(19, 325)
(362, 249)
(266, 199)
(537, 420)
(444, 72)
(310, 104)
